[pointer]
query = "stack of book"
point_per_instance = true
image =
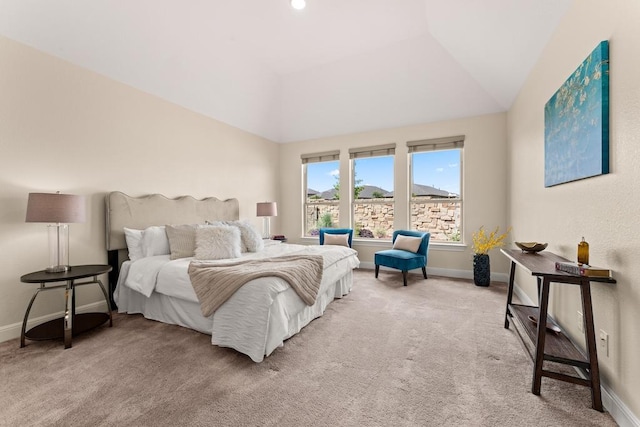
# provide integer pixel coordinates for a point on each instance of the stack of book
(582, 269)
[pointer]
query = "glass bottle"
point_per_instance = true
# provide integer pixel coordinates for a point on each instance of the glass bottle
(583, 252)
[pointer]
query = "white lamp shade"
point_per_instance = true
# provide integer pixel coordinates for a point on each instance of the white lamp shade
(267, 209)
(55, 208)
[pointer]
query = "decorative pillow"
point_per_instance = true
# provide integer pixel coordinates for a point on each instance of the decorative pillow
(134, 243)
(336, 239)
(155, 241)
(251, 240)
(182, 240)
(217, 242)
(407, 243)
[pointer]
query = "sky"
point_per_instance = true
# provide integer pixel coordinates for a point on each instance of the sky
(439, 169)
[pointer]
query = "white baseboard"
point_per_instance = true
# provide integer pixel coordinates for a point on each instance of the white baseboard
(445, 272)
(10, 332)
(617, 409)
(611, 402)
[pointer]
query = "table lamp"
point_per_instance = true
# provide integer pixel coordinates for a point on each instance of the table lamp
(58, 210)
(266, 210)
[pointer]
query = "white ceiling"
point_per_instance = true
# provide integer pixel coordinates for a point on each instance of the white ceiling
(339, 66)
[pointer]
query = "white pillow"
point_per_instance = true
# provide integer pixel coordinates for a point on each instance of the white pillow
(155, 241)
(407, 243)
(134, 243)
(251, 240)
(336, 239)
(217, 242)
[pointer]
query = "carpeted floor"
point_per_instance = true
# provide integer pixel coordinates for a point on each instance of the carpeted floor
(434, 353)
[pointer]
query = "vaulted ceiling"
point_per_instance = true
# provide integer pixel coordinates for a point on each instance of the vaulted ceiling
(336, 67)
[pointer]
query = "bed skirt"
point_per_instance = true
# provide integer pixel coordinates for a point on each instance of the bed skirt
(280, 324)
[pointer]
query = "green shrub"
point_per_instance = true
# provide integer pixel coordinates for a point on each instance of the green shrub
(381, 233)
(326, 221)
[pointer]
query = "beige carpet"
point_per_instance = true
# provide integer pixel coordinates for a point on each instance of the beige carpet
(434, 353)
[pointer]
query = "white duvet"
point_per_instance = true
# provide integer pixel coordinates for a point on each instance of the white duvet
(256, 319)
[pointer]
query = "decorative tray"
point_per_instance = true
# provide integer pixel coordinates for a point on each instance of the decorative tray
(550, 326)
(531, 246)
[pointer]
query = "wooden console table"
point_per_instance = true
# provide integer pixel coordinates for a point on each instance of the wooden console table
(543, 344)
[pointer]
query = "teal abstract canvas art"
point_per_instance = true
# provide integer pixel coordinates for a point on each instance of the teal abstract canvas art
(576, 123)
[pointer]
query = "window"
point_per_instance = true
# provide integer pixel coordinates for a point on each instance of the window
(436, 187)
(373, 198)
(321, 181)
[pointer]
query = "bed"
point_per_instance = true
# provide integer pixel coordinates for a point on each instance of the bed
(256, 319)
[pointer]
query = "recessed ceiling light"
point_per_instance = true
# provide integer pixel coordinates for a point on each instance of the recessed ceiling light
(298, 4)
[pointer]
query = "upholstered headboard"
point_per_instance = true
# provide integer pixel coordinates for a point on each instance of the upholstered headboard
(155, 209)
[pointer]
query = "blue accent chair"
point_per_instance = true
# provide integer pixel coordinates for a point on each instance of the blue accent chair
(405, 260)
(348, 231)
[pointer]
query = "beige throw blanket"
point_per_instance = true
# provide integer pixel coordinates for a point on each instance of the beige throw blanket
(214, 283)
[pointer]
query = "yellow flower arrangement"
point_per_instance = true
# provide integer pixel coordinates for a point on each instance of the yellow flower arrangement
(483, 243)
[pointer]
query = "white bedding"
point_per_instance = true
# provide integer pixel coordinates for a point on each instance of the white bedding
(256, 319)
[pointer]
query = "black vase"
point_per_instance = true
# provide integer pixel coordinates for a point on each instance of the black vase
(481, 270)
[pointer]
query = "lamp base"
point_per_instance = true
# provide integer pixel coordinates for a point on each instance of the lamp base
(58, 248)
(266, 225)
(57, 269)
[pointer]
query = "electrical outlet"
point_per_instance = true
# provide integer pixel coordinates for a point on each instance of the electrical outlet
(580, 321)
(604, 342)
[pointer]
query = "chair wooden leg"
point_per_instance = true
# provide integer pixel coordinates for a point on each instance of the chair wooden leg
(424, 272)
(377, 270)
(404, 277)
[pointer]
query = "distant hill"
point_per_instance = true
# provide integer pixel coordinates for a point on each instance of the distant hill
(369, 190)
(427, 190)
(329, 194)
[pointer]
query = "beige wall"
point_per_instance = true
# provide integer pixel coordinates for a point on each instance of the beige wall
(484, 182)
(65, 128)
(602, 209)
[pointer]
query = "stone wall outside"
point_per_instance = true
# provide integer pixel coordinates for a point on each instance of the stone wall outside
(374, 218)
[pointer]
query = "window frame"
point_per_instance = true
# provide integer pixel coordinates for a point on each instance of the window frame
(362, 153)
(306, 159)
(432, 145)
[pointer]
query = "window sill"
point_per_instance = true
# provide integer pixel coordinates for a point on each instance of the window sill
(379, 243)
